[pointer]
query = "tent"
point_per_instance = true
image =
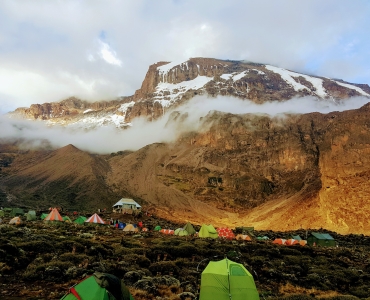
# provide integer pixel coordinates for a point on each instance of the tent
(189, 228)
(225, 233)
(167, 231)
(31, 215)
(121, 225)
(296, 237)
(144, 229)
(15, 221)
(243, 237)
(67, 219)
(291, 242)
(80, 220)
(279, 241)
(262, 238)
(157, 228)
(95, 219)
(181, 232)
(321, 239)
(17, 212)
(43, 216)
(225, 280)
(208, 231)
(99, 286)
(54, 216)
(130, 228)
(303, 242)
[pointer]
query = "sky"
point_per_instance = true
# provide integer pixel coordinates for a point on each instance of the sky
(100, 50)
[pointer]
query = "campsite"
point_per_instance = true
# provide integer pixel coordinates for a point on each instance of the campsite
(42, 259)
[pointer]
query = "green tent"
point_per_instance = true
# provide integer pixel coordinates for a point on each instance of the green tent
(80, 220)
(99, 286)
(67, 219)
(227, 280)
(189, 228)
(296, 237)
(157, 228)
(262, 238)
(181, 232)
(208, 231)
(43, 216)
(17, 212)
(321, 239)
(31, 215)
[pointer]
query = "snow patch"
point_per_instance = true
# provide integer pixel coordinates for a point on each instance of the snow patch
(87, 110)
(168, 93)
(226, 76)
(352, 87)
(288, 77)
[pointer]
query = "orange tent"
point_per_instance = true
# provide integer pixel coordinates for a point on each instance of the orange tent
(54, 216)
(279, 241)
(291, 242)
(144, 229)
(95, 219)
(303, 242)
(15, 221)
(167, 231)
(225, 233)
(131, 228)
(243, 237)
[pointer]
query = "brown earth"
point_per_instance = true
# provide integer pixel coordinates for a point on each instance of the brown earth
(307, 171)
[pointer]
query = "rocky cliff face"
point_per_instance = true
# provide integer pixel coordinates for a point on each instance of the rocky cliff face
(167, 85)
(307, 171)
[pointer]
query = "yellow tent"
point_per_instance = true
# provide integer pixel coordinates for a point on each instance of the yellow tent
(15, 221)
(130, 227)
(208, 231)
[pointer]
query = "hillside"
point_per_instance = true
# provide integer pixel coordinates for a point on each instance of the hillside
(303, 171)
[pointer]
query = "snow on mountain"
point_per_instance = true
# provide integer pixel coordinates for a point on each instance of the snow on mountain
(353, 87)
(167, 93)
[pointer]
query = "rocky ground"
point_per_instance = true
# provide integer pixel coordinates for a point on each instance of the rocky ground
(40, 261)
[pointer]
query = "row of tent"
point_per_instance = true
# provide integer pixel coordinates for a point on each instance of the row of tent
(290, 242)
(224, 279)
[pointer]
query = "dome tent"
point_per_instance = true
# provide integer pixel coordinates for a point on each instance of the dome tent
(99, 286)
(228, 280)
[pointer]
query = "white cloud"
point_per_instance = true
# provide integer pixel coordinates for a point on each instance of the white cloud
(50, 38)
(109, 55)
(142, 133)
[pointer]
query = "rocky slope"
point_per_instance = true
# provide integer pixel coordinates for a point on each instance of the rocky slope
(167, 85)
(305, 171)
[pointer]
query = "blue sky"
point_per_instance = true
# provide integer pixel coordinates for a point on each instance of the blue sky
(96, 50)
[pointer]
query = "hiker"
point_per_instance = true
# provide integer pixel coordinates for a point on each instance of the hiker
(140, 225)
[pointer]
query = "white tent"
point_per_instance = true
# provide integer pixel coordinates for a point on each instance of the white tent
(126, 203)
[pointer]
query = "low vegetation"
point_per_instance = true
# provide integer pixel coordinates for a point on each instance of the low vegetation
(39, 260)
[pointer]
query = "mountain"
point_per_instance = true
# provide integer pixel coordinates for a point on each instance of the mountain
(167, 85)
(282, 173)
(307, 171)
(65, 177)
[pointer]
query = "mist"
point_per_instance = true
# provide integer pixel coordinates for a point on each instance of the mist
(108, 139)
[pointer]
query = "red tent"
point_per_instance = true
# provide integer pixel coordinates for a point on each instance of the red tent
(54, 216)
(167, 231)
(291, 242)
(225, 233)
(95, 219)
(279, 241)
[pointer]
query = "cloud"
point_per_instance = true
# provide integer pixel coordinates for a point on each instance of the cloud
(45, 40)
(109, 139)
(109, 55)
